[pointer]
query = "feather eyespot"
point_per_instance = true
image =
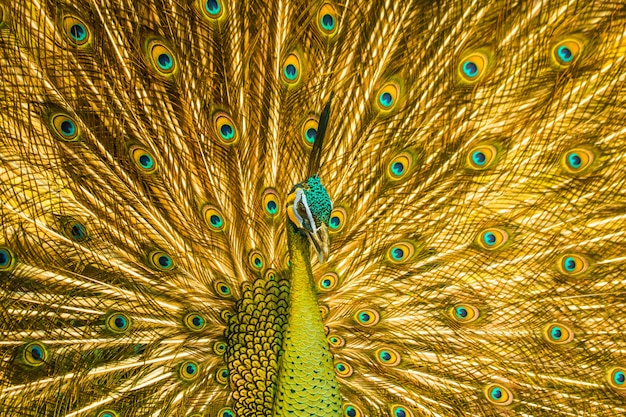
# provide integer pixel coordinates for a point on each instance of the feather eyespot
(76, 31)
(291, 72)
(617, 377)
(107, 413)
(498, 394)
(558, 334)
(464, 313)
(482, 157)
(577, 160)
(388, 357)
(567, 52)
(161, 58)
(35, 354)
(212, 9)
(400, 252)
(143, 159)
(337, 220)
(367, 317)
(194, 322)
(572, 264)
(223, 289)
(75, 230)
(271, 202)
(387, 97)
(64, 127)
(492, 238)
(256, 260)
(352, 410)
(226, 412)
(161, 261)
(473, 67)
(400, 411)
(118, 323)
(327, 20)
(222, 376)
(336, 341)
(213, 218)
(225, 128)
(343, 369)
(328, 281)
(219, 348)
(400, 166)
(189, 370)
(309, 131)
(7, 259)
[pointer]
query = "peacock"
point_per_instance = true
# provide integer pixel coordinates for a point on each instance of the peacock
(226, 208)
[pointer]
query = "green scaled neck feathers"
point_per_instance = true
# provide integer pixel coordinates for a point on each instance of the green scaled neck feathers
(306, 379)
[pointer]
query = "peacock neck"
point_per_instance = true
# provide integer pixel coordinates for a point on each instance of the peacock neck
(306, 379)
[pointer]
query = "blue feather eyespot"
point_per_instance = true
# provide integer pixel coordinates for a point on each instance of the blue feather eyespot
(213, 8)
(328, 281)
(74, 230)
(388, 357)
(76, 31)
(343, 369)
(617, 377)
(572, 264)
(271, 202)
(219, 348)
(7, 259)
(577, 160)
(352, 410)
(189, 370)
(226, 412)
(327, 20)
(337, 220)
(367, 317)
(118, 323)
(399, 166)
(388, 96)
(401, 252)
(194, 322)
(225, 128)
(222, 376)
(213, 218)
(35, 354)
(107, 413)
(64, 127)
(161, 58)
(291, 72)
(223, 289)
(256, 260)
(309, 130)
(558, 334)
(464, 313)
(143, 159)
(473, 67)
(336, 341)
(482, 157)
(567, 52)
(498, 394)
(161, 261)
(492, 238)
(400, 411)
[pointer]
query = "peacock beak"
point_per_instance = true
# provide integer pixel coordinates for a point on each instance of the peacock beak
(320, 241)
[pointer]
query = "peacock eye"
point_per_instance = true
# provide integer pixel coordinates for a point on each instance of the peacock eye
(336, 341)
(399, 166)
(219, 348)
(327, 282)
(223, 289)
(226, 412)
(271, 204)
(143, 159)
(400, 252)
(108, 413)
(343, 369)
(572, 264)
(337, 220)
(225, 128)
(118, 323)
(291, 73)
(387, 96)
(222, 376)
(194, 322)
(7, 259)
(558, 334)
(35, 354)
(213, 218)
(161, 261)
(256, 260)
(76, 31)
(492, 238)
(464, 313)
(577, 160)
(65, 127)
(473, 67)
(367, 317)
(327, 20)
(567, 52)
(161, 57)
(400, 411)
(498, 394)
(617, 378)
(388, 357)
(482, 157)
(189, 370)
(352, 410)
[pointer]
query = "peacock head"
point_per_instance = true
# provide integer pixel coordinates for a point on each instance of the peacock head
(309, 208)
